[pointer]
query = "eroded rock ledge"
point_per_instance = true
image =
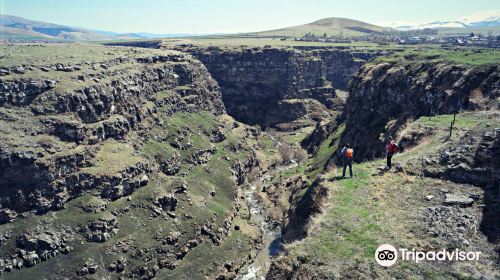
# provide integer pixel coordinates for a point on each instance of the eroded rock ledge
(258, 85)
(385, 96)
(52, 130)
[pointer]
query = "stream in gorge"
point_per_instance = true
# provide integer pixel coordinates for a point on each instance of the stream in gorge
(271, 230)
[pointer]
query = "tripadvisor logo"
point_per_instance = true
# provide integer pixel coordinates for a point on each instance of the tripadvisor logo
(387, 255)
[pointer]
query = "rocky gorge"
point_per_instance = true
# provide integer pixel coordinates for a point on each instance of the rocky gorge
(151, 160)
(267, 86)
(392, 94)
(38, 176)
(111, 152)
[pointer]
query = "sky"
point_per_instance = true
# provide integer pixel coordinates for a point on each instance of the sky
(228, 16)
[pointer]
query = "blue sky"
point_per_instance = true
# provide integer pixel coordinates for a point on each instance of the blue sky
(208, 16)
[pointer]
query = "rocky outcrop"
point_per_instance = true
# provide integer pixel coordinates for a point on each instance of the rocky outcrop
(450, 225)
(473, 160)
(52, 134)
(303, 209)
(20, 93)
(123, 96)
(241, 169)
(385, 96)
(37, 245)
(102, 229)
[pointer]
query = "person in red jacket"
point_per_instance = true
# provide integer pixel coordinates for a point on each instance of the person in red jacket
(391, 148)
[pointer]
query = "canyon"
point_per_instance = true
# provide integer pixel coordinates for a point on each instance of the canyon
(155, 160)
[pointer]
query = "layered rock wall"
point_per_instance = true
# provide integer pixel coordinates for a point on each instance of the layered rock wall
(385, 96)
(256, 82)
(50, 133)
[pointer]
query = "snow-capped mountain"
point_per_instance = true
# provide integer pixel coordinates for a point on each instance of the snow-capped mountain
(486, 18)
(435, 24)
(480, 19)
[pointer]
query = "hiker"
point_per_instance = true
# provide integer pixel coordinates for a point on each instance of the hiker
(390, 148)
(346, 155)
(342, 155)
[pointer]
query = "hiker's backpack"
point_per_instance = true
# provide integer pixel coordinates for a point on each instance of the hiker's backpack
(392, 147)
(395, 148)
(349, 153)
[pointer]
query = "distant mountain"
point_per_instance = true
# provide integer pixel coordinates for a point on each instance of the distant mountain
(154, 36)
(333, 26)
(473, 21)
(12, 27)
(435, 24)
(18, 28)
(482, 19)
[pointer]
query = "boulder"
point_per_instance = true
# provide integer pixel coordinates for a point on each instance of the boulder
(167, 203)
(19, 70)
(460, 200)
(4, 72)
(99, 237)
(144, 180)
(40, 241)
(7, 215)
(172, 238)
(102, 229)
(93, 268)
(31, 259)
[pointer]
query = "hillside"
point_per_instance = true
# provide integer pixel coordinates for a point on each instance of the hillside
(484, 30)
(13, 27)
(333, 26)
(442, 192)
(18, 28)
(409, 207)
(119, 162)
(214, 162)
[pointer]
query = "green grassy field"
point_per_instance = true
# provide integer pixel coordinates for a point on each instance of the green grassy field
(459, 55)
(252, 41)
(65, 53)
(468, 30)
(397, 53)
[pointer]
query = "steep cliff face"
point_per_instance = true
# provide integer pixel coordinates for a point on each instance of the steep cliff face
(304, 208)
(257, 82)
(385, 96)
(341, 65)
(121, 155)
(442, 193)
(42, 170)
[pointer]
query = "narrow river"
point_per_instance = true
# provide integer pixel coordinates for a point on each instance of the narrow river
(271, 233)
(271, 230)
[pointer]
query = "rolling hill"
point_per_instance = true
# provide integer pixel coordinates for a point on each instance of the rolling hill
(18, 28)
(332, 26)
(13, 27)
